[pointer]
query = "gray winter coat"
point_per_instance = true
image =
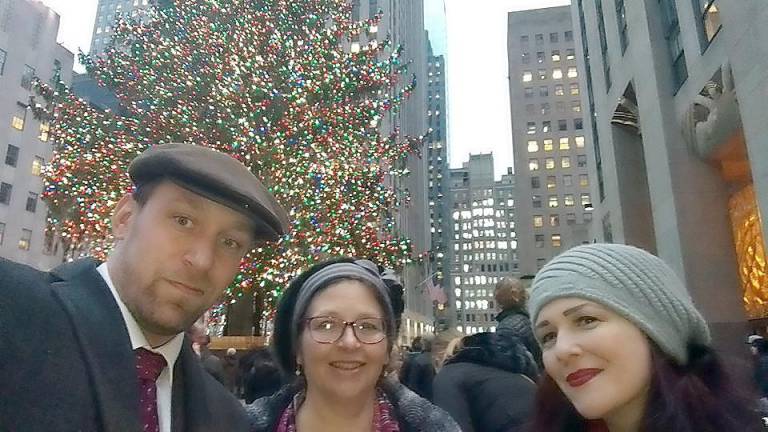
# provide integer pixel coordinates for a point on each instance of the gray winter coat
(414, 414)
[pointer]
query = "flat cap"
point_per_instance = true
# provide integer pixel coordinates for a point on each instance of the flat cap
(216, 176)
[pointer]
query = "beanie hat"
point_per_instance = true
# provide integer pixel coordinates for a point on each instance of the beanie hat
(633, 283)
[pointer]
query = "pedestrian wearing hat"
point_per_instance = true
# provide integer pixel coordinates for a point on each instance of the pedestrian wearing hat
(95, 346)
(334, 331)
(624, 349)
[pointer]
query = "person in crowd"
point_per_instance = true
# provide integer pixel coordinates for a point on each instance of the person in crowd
(95, 346)
(334, 331)
(487, 386)
(211, 363)
(418, 369)
(232, 377)
(514, 322)
(760, 354)
(263, 378)
(453, 346)
(624, 349)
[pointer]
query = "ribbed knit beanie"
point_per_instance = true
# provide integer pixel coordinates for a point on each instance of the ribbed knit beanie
(633, 283)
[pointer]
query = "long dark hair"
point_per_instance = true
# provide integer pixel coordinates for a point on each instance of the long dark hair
(697, 397)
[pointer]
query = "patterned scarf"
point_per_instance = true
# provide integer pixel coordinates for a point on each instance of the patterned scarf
(383, 420)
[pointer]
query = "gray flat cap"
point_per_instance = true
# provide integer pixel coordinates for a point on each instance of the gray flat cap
(216, 176)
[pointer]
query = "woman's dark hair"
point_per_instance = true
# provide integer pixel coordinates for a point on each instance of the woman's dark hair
(698, 397)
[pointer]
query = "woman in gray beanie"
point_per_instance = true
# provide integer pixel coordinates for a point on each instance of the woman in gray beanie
(624, 349)
(333, 334)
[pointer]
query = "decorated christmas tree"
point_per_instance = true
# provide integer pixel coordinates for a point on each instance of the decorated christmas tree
(271, 82)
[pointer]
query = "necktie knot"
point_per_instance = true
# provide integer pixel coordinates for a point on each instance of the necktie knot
(149, 365)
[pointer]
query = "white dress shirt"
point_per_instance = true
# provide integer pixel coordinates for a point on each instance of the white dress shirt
(170, 351)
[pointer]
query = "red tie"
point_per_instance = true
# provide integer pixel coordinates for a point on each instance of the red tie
(149, 365)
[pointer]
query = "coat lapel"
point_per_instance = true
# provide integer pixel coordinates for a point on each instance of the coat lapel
(191, 409)
(104, 342)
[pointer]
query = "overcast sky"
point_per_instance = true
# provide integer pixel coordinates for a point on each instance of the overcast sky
(471, 33)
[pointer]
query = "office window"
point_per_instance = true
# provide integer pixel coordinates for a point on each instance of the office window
(583, 180)
(567, 180)
(559, 90)
(533, 164)
(5, 193)
(540, 57)
(25, 240)
(572, 73)
(557, 73)
(32, 202)
(524, 40)
(525, 58)
(565, 162)
(535, 183)
(44, 131)
(555, 56)
(12, 155)
(540, 263)
(674, 42)
(621, 20)
(709, 19)
(570, 218)
(570, 54)
(562, 125)
(585, 199)
(579, 140)
(3, 57)
(26, 78)
(536, 201)
(539, 239)
(546, 126)
(551, 182)
(553, 37)
(527, 76)
(581, 160)
(553, 201)
(2, 232)
(531, 130)
(569, 36)
(545, 108)
(556, 240)
(539, 39)
(19, 116)
(576, 106)
(574, 89)
(538, 221)
(565, 143)
(578, 124)
(554, 220)
(530, 109)
(548, 145)
(560, 107)
(533, 145)
(549, 163)
(542, 74)
(543, 91)
(568, 200)
(528, 92)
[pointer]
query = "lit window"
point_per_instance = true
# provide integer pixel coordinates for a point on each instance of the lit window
(565, 162)
(579, 141)
(574, 89)
(533, 146)
(585, 199)
(546, 126)
(548, 144)
(570, 54)
(538, 221)
(25, 240)
(527, 76)
(583, 180)
(572, 72)
(44, 131)
(555, 55)
(540, 57)
(576, 106)
(531, 128)
(554, 220)
(542, 74)
(551, 182)
(553, 201)
(559, 90)
(565, 143)
(549, 163)
(37, 166)
(568, 200)
(19, 116)
(557, 73)
(556, 240)
(533, 164)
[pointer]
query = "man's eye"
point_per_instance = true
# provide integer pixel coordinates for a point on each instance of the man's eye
(232, 244)
(183, 221)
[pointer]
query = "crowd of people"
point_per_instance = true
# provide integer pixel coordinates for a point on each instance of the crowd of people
(607, 337)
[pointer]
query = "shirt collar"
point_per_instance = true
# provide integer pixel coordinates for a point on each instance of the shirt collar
(169, 350)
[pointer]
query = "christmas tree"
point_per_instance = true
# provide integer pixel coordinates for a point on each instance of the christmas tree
(271, 82)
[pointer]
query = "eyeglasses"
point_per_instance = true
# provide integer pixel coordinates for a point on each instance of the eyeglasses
(328, 329)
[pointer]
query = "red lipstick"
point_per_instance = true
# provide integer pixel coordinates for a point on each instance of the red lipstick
(581, 377)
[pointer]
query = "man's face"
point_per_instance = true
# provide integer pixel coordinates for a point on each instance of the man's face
(174, 257)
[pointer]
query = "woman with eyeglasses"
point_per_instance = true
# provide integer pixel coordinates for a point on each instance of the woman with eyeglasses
(333, 333)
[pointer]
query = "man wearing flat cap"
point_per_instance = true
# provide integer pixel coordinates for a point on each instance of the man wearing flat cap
(100, 346)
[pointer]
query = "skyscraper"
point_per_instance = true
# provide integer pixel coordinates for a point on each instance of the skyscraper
(551, 167)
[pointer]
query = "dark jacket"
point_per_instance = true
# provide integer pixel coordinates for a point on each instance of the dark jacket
(761, 374)
(487, 386)
(417, 373)
(67, 363)
(516, 323)
(414, 414)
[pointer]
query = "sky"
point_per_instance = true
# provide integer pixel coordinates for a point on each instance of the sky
(471, 33)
